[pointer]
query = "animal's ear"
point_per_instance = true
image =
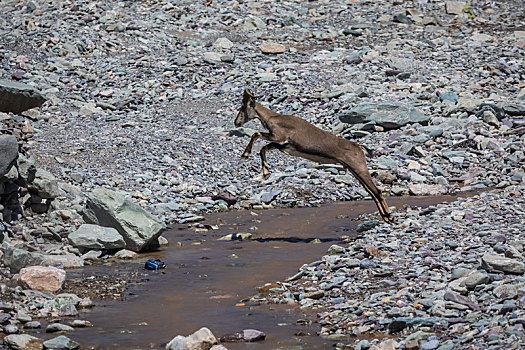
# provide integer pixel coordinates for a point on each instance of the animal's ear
(249, 97)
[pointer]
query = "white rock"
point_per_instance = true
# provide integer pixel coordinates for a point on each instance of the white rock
(125, 254)
(223, 43)
(203, 339)
(481, 37)
(455, 7)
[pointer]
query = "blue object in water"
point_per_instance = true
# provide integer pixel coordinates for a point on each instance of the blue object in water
(154, 264)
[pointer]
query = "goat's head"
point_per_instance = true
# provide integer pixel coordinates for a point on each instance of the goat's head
(247, 110)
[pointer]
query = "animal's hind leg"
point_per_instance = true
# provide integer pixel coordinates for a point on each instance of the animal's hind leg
(356, 163)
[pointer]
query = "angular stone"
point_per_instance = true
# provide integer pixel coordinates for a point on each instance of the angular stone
(254, 23)
(400, 323)
(519, 34)
(385, 176)
(389, 115)
(18, 97)
(81, 324)
(11, 329)
(455, 7)
(218, 347)
(457, 298)
(316, 295)
(61, 342)
(92, 255)
(344, 179)
(212, 57)
(367, 225)
(125, 254)
(251, 335)
(32, 325)
(402, 18)
(8, 153)
(272, 48)
(90, 236)
(430, 344)
(26, 170)
(476, 278)
(505, 291)
(481, 37)
(23, 317)
(514, 109)
(203, 339)
(4, 317)
(335, 249)
(426, 190)
(493, 262)
(66, 261)
(235, 237)
(412, 344)
(44, 184)
(58, 327)
(23, 342)
(43, 278)
(111, 209)
(16, 259)
(223, 43)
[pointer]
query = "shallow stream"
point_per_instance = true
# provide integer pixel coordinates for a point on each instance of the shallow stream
(206, 280)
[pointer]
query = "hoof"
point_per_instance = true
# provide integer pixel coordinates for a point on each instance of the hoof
(266, 176)
(390, 219)
(244, 156)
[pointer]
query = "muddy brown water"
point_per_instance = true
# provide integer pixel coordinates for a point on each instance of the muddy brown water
(206, 280)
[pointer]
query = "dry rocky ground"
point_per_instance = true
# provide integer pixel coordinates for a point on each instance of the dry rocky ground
(139, 97)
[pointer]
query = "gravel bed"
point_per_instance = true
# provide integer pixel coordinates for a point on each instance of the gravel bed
(141, 96)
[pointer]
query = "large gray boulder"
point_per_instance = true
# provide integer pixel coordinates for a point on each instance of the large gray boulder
(108, 208)
(8, 153)
(44, 184)
(90, 236)
(389, 115)
(18, 97)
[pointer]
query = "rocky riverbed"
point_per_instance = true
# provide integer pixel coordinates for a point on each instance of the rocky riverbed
(105, 105)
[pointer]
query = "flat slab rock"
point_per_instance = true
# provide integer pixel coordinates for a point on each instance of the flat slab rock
(89, 236)
(389, 115)
(493, 262)
(16, 259)
(18, 97)
(272, 48)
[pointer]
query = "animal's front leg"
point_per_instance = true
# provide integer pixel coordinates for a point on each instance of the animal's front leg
(268, 147)
(255, 136)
